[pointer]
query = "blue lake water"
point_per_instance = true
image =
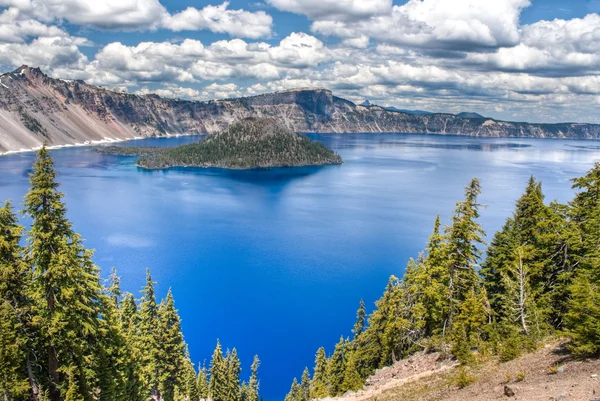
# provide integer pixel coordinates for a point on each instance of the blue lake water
(275, 262)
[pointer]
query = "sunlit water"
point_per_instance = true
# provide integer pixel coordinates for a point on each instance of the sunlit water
(275, 262)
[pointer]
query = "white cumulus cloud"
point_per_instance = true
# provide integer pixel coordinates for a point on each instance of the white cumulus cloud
(239, 23)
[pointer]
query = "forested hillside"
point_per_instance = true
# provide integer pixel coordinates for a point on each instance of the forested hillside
(541, 277)
(64, 336)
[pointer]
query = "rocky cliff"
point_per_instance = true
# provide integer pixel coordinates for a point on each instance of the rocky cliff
(36, 109)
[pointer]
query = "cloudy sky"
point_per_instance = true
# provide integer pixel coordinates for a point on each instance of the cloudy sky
(532, 60)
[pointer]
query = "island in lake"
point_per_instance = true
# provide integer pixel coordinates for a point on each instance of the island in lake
(251, 143)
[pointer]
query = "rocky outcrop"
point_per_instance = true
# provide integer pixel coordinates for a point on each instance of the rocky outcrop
(36, 109)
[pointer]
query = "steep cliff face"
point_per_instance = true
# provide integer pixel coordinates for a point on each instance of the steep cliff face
(36, 109)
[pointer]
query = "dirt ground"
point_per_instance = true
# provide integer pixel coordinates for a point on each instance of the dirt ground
(549, 374)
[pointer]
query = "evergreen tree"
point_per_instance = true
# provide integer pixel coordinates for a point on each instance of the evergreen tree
(67, 288)
(583, 317)
(469, 324)
(518, 298)
(191, 389)
(305, 385)
(463, 238)
(319, 383)
(147, 340)
(253, 383)
(540, 233)
(114, 288)
(233, 376)
(112, 355)
(295, 393)
(352, 380)
(202, 382)
(336, 368)
(15, 309)
(218, 385)
(359, 326)
(129, 321)
(171, 349)
(433, 281)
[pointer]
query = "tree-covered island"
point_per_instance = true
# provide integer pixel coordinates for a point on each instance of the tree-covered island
(251, 143)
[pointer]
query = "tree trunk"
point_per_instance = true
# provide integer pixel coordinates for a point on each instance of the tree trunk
(35, 388)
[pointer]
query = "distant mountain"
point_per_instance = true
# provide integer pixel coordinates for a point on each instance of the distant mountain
(366, 103)
(465, 114)
(36, 109)
(416, 112)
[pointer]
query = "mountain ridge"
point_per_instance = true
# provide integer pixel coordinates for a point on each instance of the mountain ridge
(36, 109)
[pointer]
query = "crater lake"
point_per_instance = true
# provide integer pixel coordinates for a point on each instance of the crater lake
(274, 262)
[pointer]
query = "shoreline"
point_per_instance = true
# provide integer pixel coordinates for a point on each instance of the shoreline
(221, 167)
(91, 143)
(114, 140)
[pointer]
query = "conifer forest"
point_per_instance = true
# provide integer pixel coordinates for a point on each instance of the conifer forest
(65, 336)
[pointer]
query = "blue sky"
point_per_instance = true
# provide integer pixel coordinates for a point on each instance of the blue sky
(532, 60)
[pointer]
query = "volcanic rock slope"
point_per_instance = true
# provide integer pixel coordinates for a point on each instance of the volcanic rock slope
(36, 109)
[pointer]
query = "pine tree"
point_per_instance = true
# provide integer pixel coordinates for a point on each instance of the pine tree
(539, 232)
(469, 324)
(129, 321)
(359, 326)
(111, 353)
(67, 287)
(253, 383)
(336, 368)
(352, 380)
(433, 280)
(202, 382)
(305, 385)
(372, 348)
(218, 385)
(233, 376)
(171, 349)
(518, 298)
(191, 390)
(583, 316)
(295, 393)
(15, 309)
(147, 338)
(114, 288)
(319, 383)
(463, 238)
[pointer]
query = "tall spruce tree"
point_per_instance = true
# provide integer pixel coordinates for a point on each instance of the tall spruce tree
(295, 393)
(218, 385)
(361, 314)
(539, 233)
(352, 379)
(583, 316)
(16, 347)
(148, 341)
(233, 376)
(305, 385)
(433, 280)
(518, 299)
(253, 383)
(67, 288)
(171, 349)
(190, 392)
(463, 238)
(319, 383)
(203, 382)
(129, 322)
(336, 368)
